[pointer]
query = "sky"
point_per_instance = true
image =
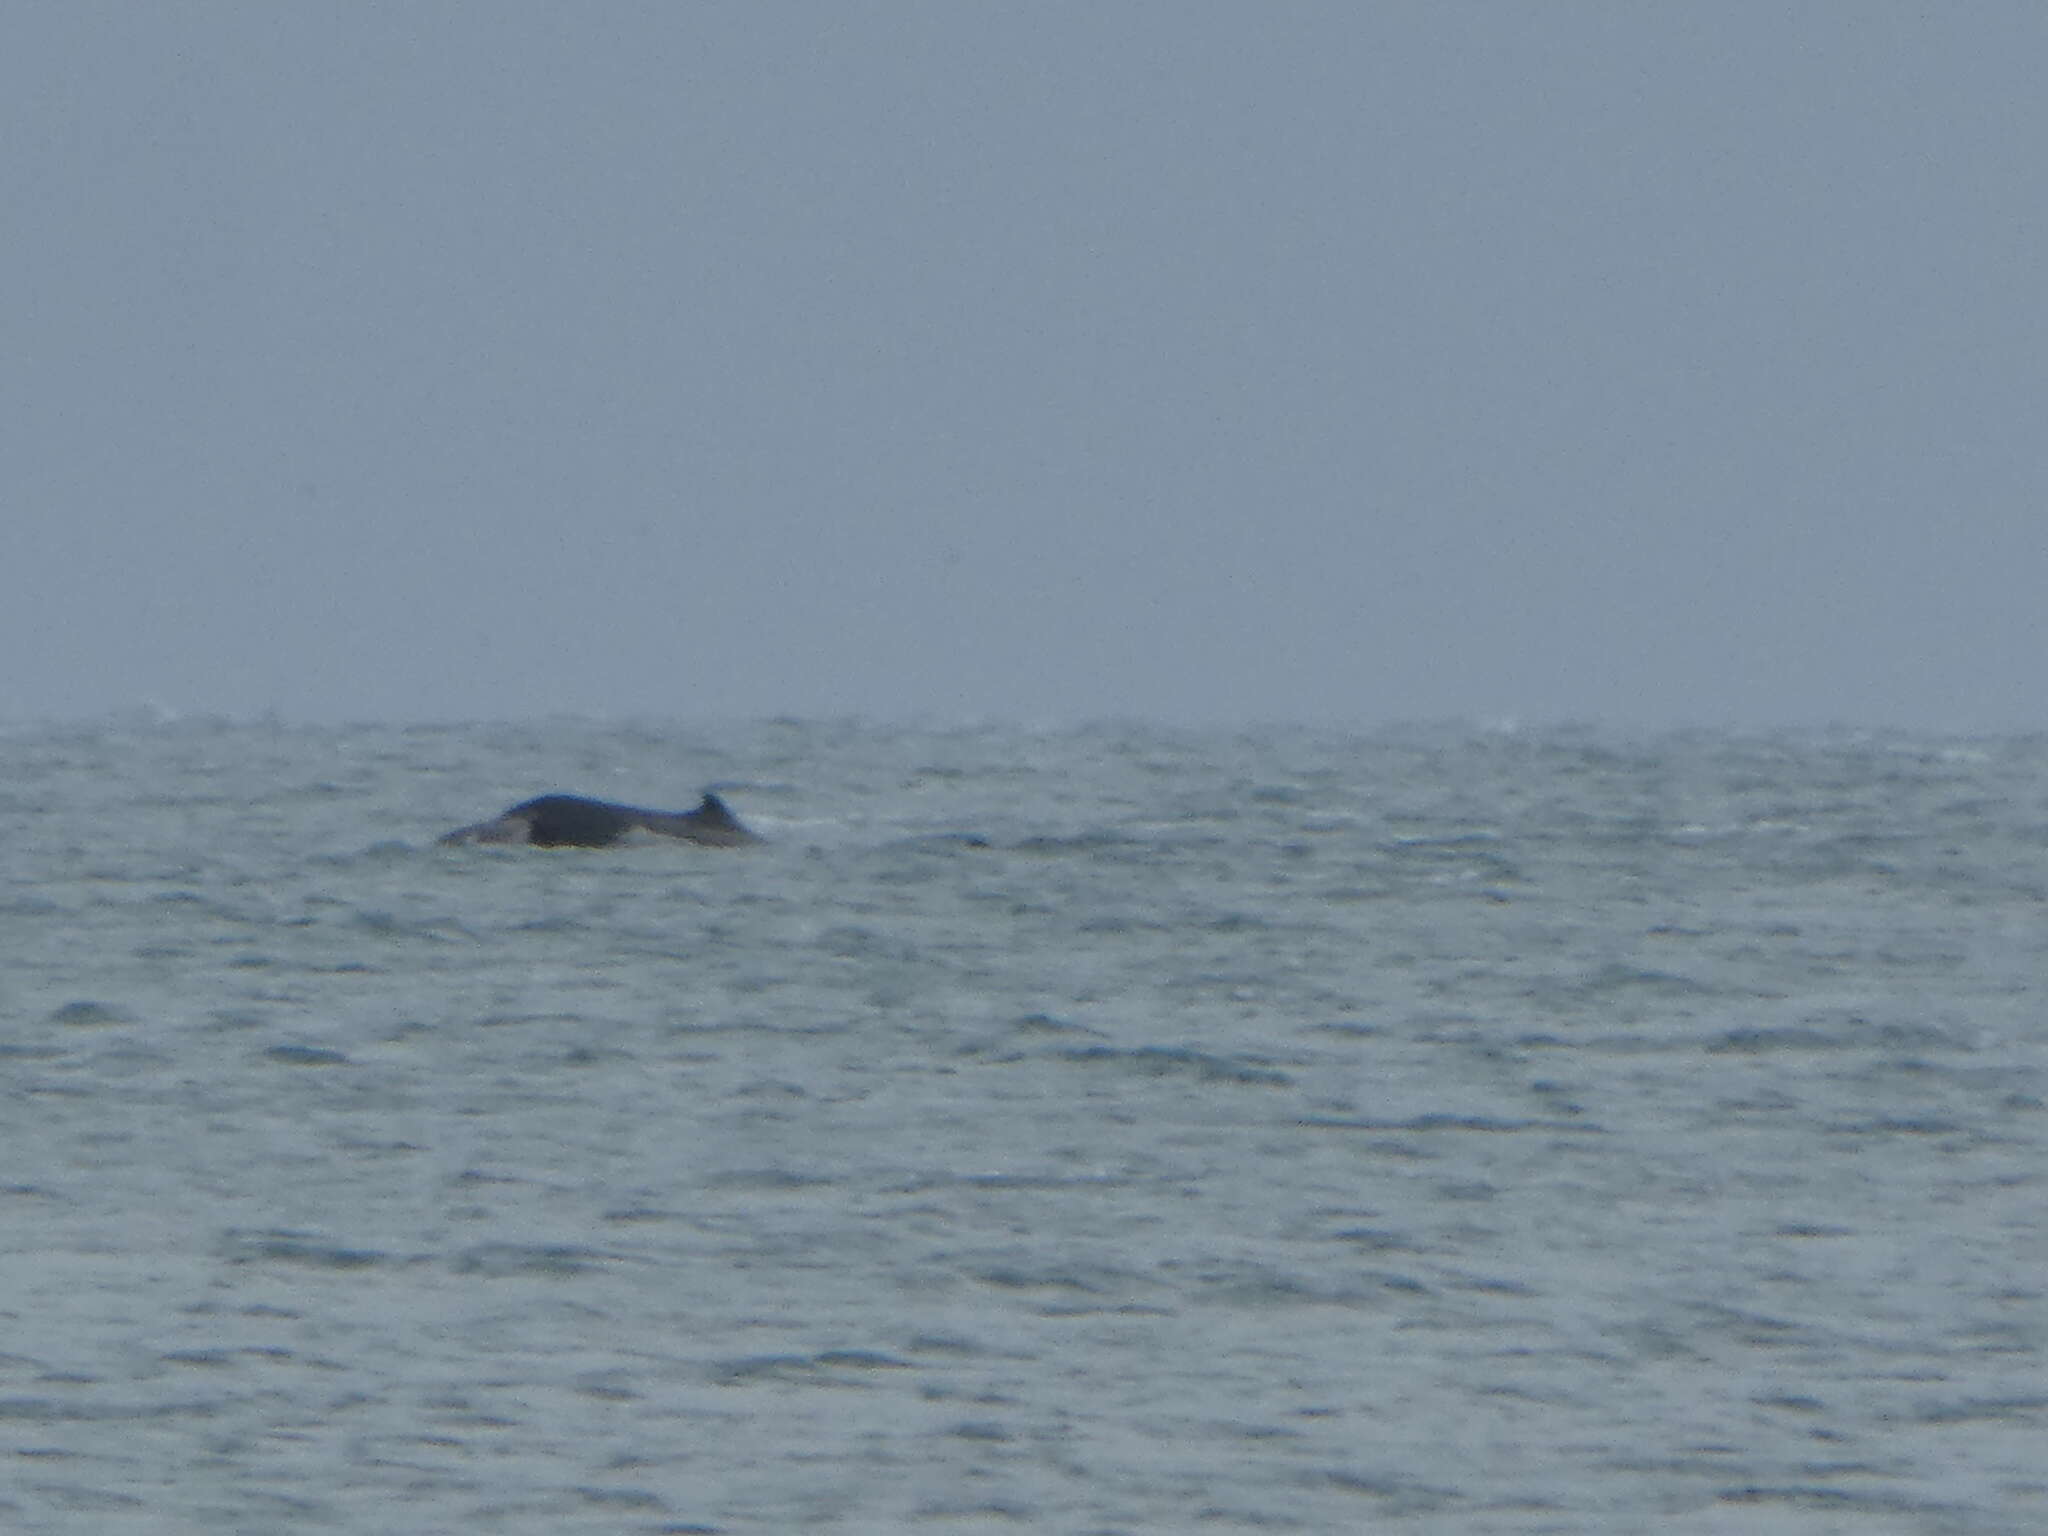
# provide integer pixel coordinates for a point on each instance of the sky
(1647, 364)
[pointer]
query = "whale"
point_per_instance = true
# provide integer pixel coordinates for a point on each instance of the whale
(575, 821)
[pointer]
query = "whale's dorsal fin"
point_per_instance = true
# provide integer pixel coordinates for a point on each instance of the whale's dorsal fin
(714, 812)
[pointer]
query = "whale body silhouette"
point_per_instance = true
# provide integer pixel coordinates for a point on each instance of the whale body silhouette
(573, 821)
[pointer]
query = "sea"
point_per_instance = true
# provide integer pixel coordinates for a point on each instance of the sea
(1091, 1129)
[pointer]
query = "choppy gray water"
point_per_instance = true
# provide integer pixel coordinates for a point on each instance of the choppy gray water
(1448, 1131)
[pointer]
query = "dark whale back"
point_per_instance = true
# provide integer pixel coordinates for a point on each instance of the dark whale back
(576, 821)
(570, 821)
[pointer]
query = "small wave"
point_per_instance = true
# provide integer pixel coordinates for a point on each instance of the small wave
(554, 1260)
(1175, 1060)
(241, 1246)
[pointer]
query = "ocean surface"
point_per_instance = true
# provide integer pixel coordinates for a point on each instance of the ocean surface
(1086, 1130)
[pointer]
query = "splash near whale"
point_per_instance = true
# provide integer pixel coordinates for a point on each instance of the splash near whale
(573, 821)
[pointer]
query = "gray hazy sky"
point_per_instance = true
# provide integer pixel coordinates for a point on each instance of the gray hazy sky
(1343, 362)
